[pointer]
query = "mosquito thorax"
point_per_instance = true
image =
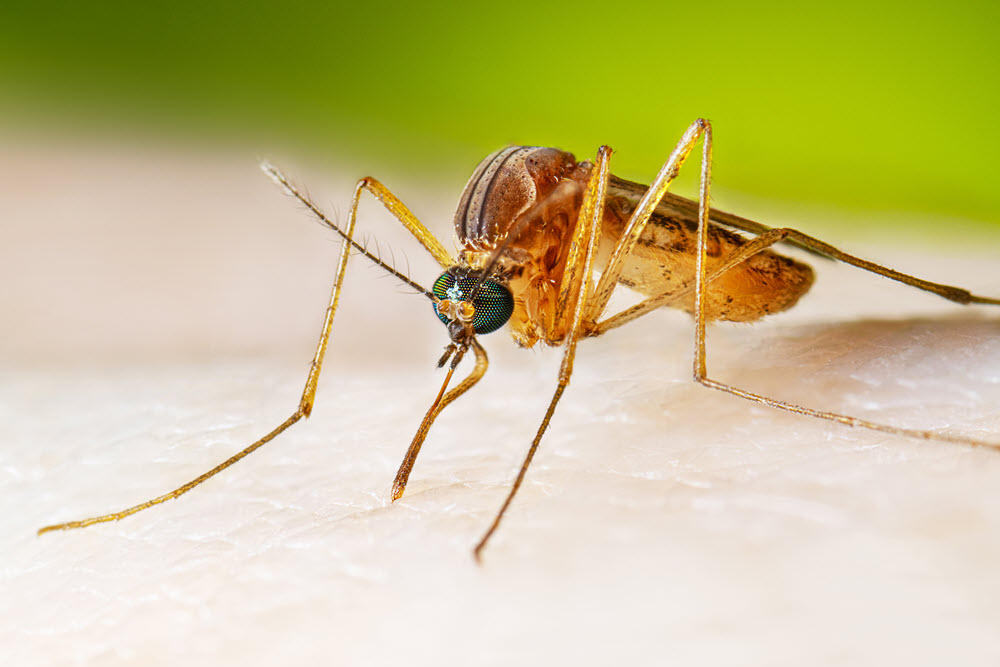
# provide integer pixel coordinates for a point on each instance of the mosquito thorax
(486, 311)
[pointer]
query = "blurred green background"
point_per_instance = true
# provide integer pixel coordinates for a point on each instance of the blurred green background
(866, 107)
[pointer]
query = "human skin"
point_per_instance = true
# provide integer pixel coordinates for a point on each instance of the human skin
(164, 315)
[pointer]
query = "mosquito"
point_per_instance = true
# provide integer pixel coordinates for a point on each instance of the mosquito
(544, 242)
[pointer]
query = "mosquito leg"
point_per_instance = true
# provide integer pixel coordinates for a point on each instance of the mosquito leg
(380, 192)
(752, 247)
(586, 235)
(765, 240)
(640, 216)
(309, 392)
(756, 245)
(394, 206)
(956, 294)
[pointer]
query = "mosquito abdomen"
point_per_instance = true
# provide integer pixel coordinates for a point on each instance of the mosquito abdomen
(664, 261)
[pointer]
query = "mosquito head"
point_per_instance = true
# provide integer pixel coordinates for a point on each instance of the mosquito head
(470, 302)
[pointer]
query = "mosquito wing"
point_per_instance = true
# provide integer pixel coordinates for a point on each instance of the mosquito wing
(685, 210)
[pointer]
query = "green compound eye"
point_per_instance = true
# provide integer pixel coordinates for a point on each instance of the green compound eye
(494, 302)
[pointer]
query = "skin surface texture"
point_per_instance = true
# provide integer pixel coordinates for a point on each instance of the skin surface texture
(161, 310)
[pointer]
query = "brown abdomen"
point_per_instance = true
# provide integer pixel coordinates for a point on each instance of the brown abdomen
(664, 260)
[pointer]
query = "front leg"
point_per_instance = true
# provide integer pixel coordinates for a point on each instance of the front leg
(586, 238)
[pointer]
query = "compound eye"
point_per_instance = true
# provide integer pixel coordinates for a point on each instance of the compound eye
(493, 302)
